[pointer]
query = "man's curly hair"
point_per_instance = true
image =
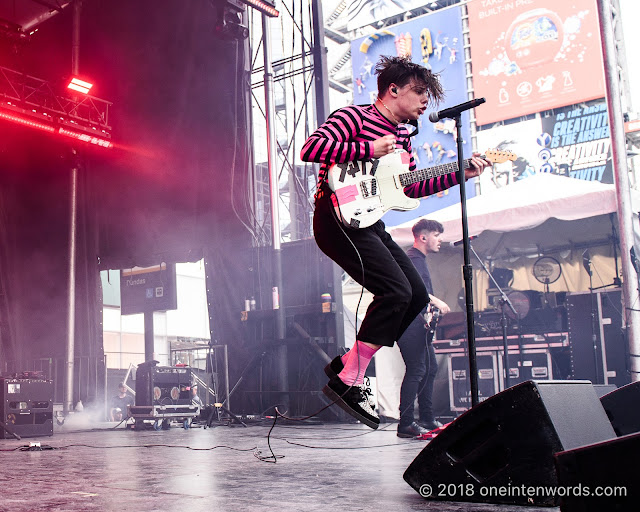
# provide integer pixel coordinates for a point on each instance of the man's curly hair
(400, 71)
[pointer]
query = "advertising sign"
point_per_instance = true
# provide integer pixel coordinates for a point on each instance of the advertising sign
(534, 55)
(578, 143)
(148, 289)
(575, 143)
(519, 138)
(435, 41)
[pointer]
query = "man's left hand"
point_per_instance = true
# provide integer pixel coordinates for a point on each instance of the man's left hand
(477, 166)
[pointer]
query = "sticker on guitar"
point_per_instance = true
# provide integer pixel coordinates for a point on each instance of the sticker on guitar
(364, 191)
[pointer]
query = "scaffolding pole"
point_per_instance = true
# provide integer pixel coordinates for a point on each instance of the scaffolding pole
(621, 178)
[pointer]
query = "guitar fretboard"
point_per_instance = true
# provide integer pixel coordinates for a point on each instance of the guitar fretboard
(409, 178)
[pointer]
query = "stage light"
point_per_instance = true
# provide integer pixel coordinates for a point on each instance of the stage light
(80, 85)
(229, 25)
(84, 137)
(263, 7)
(26, 122)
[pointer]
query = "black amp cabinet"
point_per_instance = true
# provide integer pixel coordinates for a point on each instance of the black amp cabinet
(163, 385)
(27, 407)
(587, 361)
(459, 385)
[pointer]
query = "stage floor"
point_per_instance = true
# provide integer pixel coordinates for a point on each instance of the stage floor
(330, 467)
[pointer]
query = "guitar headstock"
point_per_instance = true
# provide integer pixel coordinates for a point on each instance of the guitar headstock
(496, 156)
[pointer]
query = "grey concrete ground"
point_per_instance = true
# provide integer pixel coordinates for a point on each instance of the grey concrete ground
(333, 467)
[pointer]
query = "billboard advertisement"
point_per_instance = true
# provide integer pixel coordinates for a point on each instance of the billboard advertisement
(435, 41)
(534, 55)
(574, 142)
(578, 143)
(519, 138)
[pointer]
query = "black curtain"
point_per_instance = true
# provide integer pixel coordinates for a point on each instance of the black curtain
(172, 189)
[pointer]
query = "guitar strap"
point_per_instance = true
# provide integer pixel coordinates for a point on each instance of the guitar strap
(413, 122)
(416, 130)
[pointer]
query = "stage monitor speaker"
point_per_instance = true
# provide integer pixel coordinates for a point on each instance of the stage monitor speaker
(502, 449)
(27, 407)
(600, 477)
(623, 408)
(603, 389)
(163, 385)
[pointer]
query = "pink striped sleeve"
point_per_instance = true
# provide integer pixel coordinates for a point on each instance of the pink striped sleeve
(431, 186)
(334, 140)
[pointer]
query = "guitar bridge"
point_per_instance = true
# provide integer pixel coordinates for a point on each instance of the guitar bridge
(369, 188)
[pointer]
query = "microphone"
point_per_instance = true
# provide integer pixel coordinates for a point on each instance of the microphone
(459, 242)
(451, 112)
(586, 261)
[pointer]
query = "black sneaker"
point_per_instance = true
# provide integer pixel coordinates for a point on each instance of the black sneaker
(334, 367)
(353, 400)
(429, 425)
(413, 430)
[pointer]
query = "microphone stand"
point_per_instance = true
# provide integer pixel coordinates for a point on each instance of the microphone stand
(467, 270)
(594, 340)
(503, 318)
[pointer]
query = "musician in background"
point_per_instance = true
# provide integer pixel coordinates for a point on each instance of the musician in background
(369, 255)
(416, 343)
(120, 403)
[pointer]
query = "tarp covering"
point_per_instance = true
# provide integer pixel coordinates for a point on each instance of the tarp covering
(524, 205)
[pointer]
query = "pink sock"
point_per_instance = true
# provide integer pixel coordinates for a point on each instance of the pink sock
(353, 372)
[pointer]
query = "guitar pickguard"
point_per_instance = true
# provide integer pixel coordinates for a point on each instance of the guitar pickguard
(365, 191)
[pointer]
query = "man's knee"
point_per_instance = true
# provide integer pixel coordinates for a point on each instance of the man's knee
(402, 295)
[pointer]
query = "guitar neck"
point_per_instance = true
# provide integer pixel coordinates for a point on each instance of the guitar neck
(409, 178)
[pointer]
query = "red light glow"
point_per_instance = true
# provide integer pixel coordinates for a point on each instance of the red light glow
(85, 137)
(263, 7)
(26, 122)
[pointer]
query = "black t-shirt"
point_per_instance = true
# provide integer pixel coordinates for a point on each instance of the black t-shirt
(420, 262)
(121, 403)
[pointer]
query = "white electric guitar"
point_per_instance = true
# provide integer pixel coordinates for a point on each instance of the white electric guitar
(366, 190)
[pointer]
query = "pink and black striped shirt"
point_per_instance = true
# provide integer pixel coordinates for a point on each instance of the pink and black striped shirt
(348, 135)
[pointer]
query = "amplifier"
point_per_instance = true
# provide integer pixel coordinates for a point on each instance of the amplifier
(526, 365)
(489, 323)
(607, 362)
(163, 385)
(27, 407)
(459, 383)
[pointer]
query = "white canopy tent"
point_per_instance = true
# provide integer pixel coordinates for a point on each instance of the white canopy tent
(525, 205)
(544, 214)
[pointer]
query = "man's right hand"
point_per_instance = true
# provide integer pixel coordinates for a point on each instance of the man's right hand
(384, 145)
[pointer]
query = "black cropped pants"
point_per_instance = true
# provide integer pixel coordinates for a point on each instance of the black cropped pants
(374, 260)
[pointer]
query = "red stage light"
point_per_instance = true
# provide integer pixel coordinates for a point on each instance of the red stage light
(26, 122)
(264, 7)
(80, 85)
(85, 137)
(31, 123)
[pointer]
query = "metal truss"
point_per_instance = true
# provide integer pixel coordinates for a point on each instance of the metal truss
(293, 77)
(39, 99)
